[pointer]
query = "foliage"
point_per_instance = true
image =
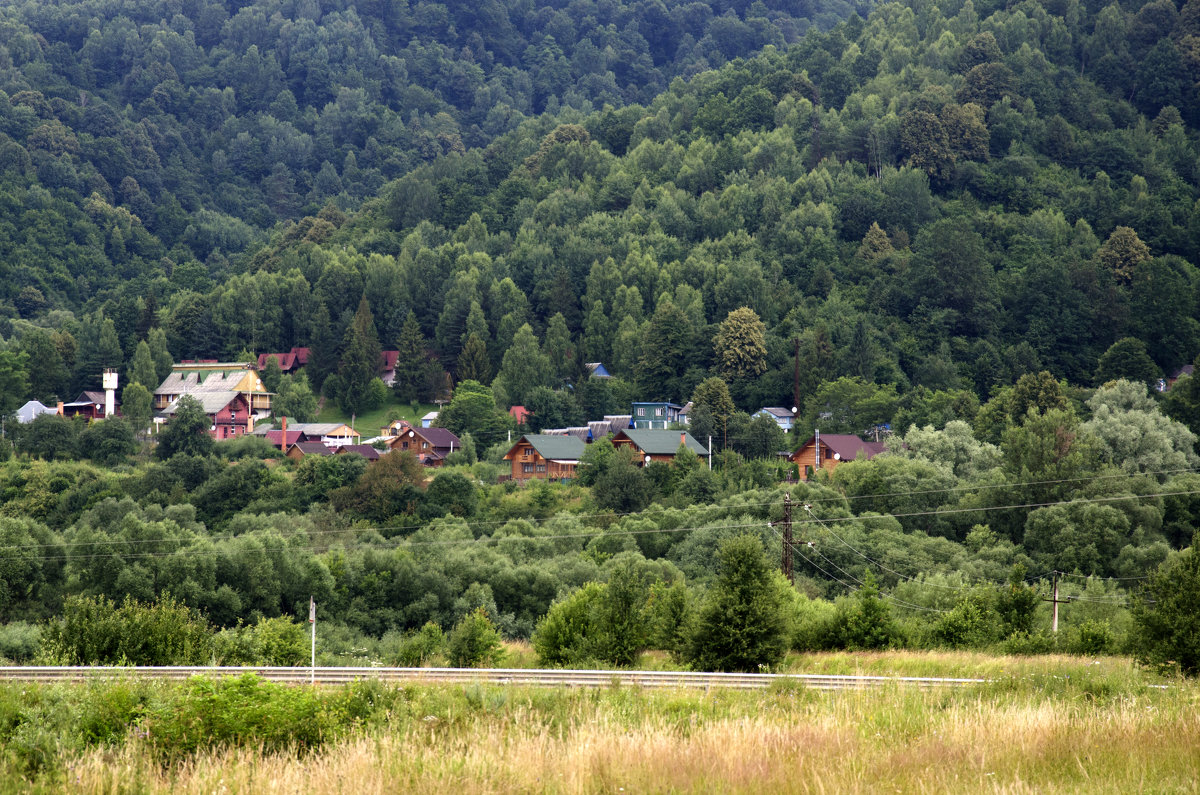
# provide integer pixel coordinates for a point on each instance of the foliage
(187, 431)
(474, 642)
(742, 624)
(95, 631)
(1166, 617)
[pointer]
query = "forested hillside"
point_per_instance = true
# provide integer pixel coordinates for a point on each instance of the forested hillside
(977, 226)
(211, 121)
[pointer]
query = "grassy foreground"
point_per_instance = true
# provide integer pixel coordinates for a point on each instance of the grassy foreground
(1065, 727)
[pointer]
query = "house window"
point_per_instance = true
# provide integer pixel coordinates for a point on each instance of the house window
(404, 445)
(541, 467)
(527, 468)
(424, 445)
(642, 411)
(658, 412)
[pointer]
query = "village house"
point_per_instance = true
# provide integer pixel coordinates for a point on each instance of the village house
(657, 445)
(659, 414)
(89, 404)
(542, 457)
(301, 449)
(215, 378)
(32, 410)
(228, 413)
(831, 450)
(782, 417)
(365, 450)
(289, 362)
(429, 445)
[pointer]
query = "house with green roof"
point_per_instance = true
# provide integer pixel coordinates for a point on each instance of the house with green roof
(650, 445)
(543, 457)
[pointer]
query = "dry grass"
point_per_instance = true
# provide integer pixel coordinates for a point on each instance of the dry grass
(790, 740)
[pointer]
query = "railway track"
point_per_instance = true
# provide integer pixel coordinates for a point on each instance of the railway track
(494, 676)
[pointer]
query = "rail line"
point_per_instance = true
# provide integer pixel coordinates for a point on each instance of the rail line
(493, 676)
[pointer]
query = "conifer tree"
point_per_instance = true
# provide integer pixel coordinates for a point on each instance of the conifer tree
(360, 362)
(473, 362)
(412, 364)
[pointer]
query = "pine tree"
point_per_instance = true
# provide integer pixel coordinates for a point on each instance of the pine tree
(473, 362)
(325, 350)
(141, 368)
(163, 361)
(412, 365)
(360, 362)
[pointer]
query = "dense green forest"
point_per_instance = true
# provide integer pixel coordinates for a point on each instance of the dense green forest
(978, 225)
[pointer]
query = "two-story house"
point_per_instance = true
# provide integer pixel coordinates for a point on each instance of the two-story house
(659, 414)
(543, 457)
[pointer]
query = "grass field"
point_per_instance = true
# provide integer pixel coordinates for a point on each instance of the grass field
(369, 423)
(1044, 725)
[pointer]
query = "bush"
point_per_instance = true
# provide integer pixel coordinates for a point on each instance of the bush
(236, 711)
(281, 641)
(866, 621)
(969, 624)
(19, 641)
(474, 642)
(1091, 638)
(94, 631)
(1168, 621)
(421, 646)
(743, 625)
(565, 635)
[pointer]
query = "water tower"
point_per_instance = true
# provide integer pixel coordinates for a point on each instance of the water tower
(109, 381)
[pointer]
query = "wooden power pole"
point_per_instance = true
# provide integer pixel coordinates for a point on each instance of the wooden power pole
(1055, 601)
(787, 537)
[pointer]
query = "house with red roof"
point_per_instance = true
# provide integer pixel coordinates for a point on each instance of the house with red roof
(828, 450)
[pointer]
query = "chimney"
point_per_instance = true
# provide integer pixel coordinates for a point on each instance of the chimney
(283, 441)
(60, 408)
(683, 438)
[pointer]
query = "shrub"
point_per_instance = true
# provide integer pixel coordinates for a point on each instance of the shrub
(567, 633)
(1091, 637)
(235, 711)
(19, 641)
(474, 642)
(1168, 621)
(281, 641)
(866, 621)
(421, 646)
(94, 631)
(969, 624)
(743, 624)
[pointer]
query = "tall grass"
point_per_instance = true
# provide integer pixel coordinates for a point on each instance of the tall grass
(1056, 730)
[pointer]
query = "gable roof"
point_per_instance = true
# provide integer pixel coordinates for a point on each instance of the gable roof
(553, 448)
(210, 402)
(658, 442)
(519, 413)
(847, 446)
(287, 361)
(311, 448)
(276, 437)
(388, 359)
(776, 411)
(439, 437)
(365, 450)
(33, 409)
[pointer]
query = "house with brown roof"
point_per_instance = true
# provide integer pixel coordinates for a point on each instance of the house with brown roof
(829, 450)
(367, 451)
(656, 445)
(301, 449)
(542, 457)
(429, 445)
(89, 404)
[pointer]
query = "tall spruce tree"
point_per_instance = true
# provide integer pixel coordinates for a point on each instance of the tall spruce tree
(412, 365)
(360, 362)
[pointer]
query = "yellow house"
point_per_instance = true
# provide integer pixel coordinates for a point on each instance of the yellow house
(200, 378)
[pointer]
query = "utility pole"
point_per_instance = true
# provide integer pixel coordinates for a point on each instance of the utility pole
(795, 377)
(787, 538)
(312, 620)
(1056, 602)
(710, 452)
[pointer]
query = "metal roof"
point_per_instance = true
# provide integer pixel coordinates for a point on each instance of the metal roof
(558, 448)
(658, 442)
